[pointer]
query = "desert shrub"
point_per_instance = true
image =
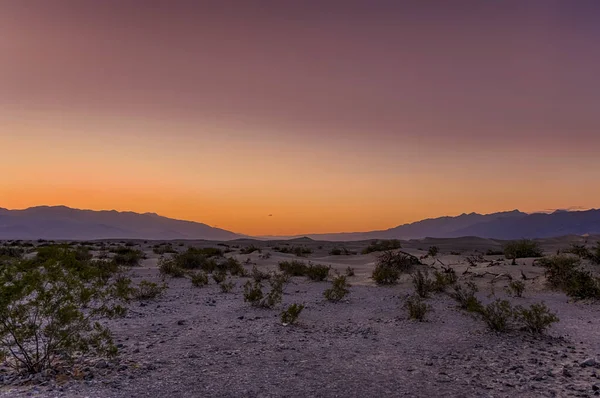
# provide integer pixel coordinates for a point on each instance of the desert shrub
(199, 279)
(293, 267)
(168, 266)
(147, 290)
(291, 314)
(219, 276)
(338, 290)
(390, 265)
(417, 308)
(227, 287)
(11, 251)
(595, 255)
(250, 249)
(349, 271)
(524, 248)
(535, 319)
(317, 272)
(443, 280)
(498, 315)
(466, 298)
(579, 250)
(563, 272)
(53, 309)
(163, 249)
(433, 251)
(516, 288)
(232, 265)
(299, 251)
(259, 275)
(194, 258)
(382, 245)
(422, 283)
(494, 252)
(253, 293)
(335, 252)
(126, 256)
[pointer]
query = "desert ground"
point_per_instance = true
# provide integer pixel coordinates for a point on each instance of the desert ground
(201, 342)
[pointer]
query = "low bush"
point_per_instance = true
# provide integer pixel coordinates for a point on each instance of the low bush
(259, 275)
(293, 267)
(349, 271)
(126, 256)
(219, 276)
(338, 290)
(498, 315)
(317, 272)
(11, 251)
(524, 248)
(382, 245)
(417, 308)
(444, 279)
(163, 249)
(148, 290)
(250, 249)
(168, 267)
(466, 298)
(564, 272)
(422, 283)
(390, 265)
(199, 279)
(227, 287)
(516, 288)
(494, 252)
(536, 319)
(433, 251)
(254, 295)
(194, 258)
(291, 314)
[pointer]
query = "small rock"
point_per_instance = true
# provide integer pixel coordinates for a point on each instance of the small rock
(181, 322)
(588, 362)
(596, 387)
(101, 364)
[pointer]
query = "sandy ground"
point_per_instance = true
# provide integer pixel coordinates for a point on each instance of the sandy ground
(199, 342)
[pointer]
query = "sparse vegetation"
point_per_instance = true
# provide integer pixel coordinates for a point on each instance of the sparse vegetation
(390, 265)
(51, 307)
(516, 288)
(227, 287)
(250, 249)
(126, 256)
(465, 296)
(147, 290)
(259, 275)
(564, 272)
(382, 245)
(422, 283)
(293, 267)
(254, 295)
(444, 279)
(168, 267)
(417, 308)
(498, 315)
(536, 319)
(317, 272)
(338, 290)
(199, 279)
(291, 314)
(219, 276)
(524, 248)
(349, 271)
(433, 251)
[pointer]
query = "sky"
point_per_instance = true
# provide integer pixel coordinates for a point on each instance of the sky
(284, 117)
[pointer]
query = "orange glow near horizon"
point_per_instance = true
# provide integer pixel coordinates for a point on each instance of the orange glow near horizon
(329, 121)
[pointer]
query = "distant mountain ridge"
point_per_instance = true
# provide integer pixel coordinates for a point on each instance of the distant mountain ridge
(61, 222)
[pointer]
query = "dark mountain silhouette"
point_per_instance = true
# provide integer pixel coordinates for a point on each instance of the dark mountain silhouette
(60, 222)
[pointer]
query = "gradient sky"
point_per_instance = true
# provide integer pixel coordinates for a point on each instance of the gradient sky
(329, 115)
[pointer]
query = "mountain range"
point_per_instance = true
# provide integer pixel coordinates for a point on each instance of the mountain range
(60, 222)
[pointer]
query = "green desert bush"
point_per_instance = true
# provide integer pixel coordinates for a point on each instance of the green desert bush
(199, 279)
(227, 287)
(147, 290)
(163, 249)
(433, 251)
(390, 265)
(293, 267)
(338, 290)
(254, 295)
(580, 251)
(564, 272)
(194, 258)
(291, 314)
(422, 283)
(317, 272)
(523, 248)
(444, 279)
(259, 275)
(535, 319)
(232, 265)
(382, 245)
(126, 256)
(335, 252)
(11, 251)
(516, 288)
(498, 315)
(465, 296)
(250, 249)
(417, 308)
(168, 267)
(349, 271)
(219, 276)
(52, 309)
